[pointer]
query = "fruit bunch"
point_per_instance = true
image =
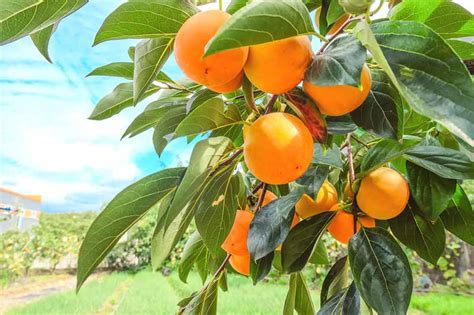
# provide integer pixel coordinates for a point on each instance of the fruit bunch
(278, 146)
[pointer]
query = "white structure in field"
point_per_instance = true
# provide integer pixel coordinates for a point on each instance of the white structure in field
(18, 211)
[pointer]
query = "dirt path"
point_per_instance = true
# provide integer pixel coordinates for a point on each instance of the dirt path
(34, 288)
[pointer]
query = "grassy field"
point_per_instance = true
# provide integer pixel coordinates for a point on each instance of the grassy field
(151, 293)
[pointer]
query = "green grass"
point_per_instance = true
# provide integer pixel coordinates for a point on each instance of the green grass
(88, 301)
(443, 304)
(151, 293)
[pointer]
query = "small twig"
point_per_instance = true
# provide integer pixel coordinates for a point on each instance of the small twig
(261, 197)
(227, 161)
(270, 104)
(352, 179)
(257, 188)
(338, 32)
(222, 266)
(178, 88)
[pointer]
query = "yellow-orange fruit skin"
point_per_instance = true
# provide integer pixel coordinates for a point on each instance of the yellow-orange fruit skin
(325, 200)
(277, 67)
(339, 100)
(236, 241)
(336, 25)
(241, 264)
(383, 194)
(189, 46)
(229, 87)
(278, 148)
(342, 226)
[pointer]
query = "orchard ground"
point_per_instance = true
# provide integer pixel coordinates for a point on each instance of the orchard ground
(151, 293)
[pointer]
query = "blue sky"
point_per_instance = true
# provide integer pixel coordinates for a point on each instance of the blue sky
(47, 145)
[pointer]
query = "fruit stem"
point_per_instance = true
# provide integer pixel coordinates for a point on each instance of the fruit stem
(350, 160)
(338, 32)
(261, 197)
(222, 266)
(220, 5)
(270, 104)
(227, 161)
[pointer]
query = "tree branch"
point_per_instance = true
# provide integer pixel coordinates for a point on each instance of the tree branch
(350, 160)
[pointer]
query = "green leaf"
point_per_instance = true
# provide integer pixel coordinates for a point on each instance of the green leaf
(381, 271)
(260, 269)
(344, 302)
(335, 11)
(313, 178)
(312, 4)
(340, 64)
(458, 218)
(236, 5)
(150, 56)
(271, 224)
(120, 214)
(431, 192)
(260, 22)
(205, 156)
(41, 39)
(320, 254)
(193, 250)
(381, 153)
(463, 47)
(382, 111)
(199, 98)
(164, 240)
(414, 230)
(425, 70)
(165, 131)
(145, 19)
(445, 17)
(301, 241)
(120, 98)
(209, 116)
(19, 18)
(114, 69)
(217, 206)
(146, 120)
(299, 296)
(444, 162)
(336, 279)
(340, 125)
(204, 302)
(327, 156)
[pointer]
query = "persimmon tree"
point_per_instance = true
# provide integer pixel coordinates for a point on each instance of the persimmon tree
(369, 137)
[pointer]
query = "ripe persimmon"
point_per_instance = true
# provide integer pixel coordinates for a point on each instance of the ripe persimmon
(335, 27)
(383, 194)
(241, 263)
(342, 226)
(213, 71)
(277, 67)
(339, 100)
(228, 87)
(278, 148)
(236, 241)
(325, 200)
